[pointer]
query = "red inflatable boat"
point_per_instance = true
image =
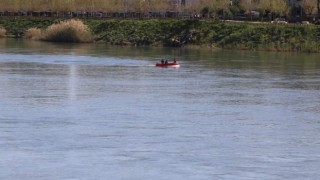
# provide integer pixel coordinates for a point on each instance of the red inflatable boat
(169, 64)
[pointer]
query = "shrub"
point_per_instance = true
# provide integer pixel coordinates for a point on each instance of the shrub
(3, 32)
(33, 34)
(68, 31)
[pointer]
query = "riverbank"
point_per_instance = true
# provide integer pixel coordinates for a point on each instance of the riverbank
(179, 33)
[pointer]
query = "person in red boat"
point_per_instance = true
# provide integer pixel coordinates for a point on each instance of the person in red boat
(168, 63)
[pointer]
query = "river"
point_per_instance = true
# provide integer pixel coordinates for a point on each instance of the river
(93, 111)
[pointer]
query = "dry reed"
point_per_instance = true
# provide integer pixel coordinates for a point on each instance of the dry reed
(68, 31)
(33, 34)
(3, 32)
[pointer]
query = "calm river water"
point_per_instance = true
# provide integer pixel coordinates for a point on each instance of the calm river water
(90, 112)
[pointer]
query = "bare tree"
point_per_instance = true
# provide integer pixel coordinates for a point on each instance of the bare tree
(159, 5)
(197, 6)
(250, 5)
(309, 6)
(280, 7)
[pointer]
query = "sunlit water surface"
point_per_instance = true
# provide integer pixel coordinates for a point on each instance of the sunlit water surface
(91, 112)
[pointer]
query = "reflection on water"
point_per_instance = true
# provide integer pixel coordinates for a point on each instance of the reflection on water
(93, 111)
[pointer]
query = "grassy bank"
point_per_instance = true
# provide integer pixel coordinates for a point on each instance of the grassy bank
(163, 32)
(272, 37)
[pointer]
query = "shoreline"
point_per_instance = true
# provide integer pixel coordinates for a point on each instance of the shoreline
(187, 33)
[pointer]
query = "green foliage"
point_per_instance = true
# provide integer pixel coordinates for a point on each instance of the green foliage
(146, 32)
(17, 27)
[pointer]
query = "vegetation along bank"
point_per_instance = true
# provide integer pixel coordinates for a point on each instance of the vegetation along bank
(168, 32)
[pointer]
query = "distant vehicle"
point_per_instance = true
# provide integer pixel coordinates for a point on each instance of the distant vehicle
(279, 21)
(252, 14)
(305, 22)
(239, 16)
